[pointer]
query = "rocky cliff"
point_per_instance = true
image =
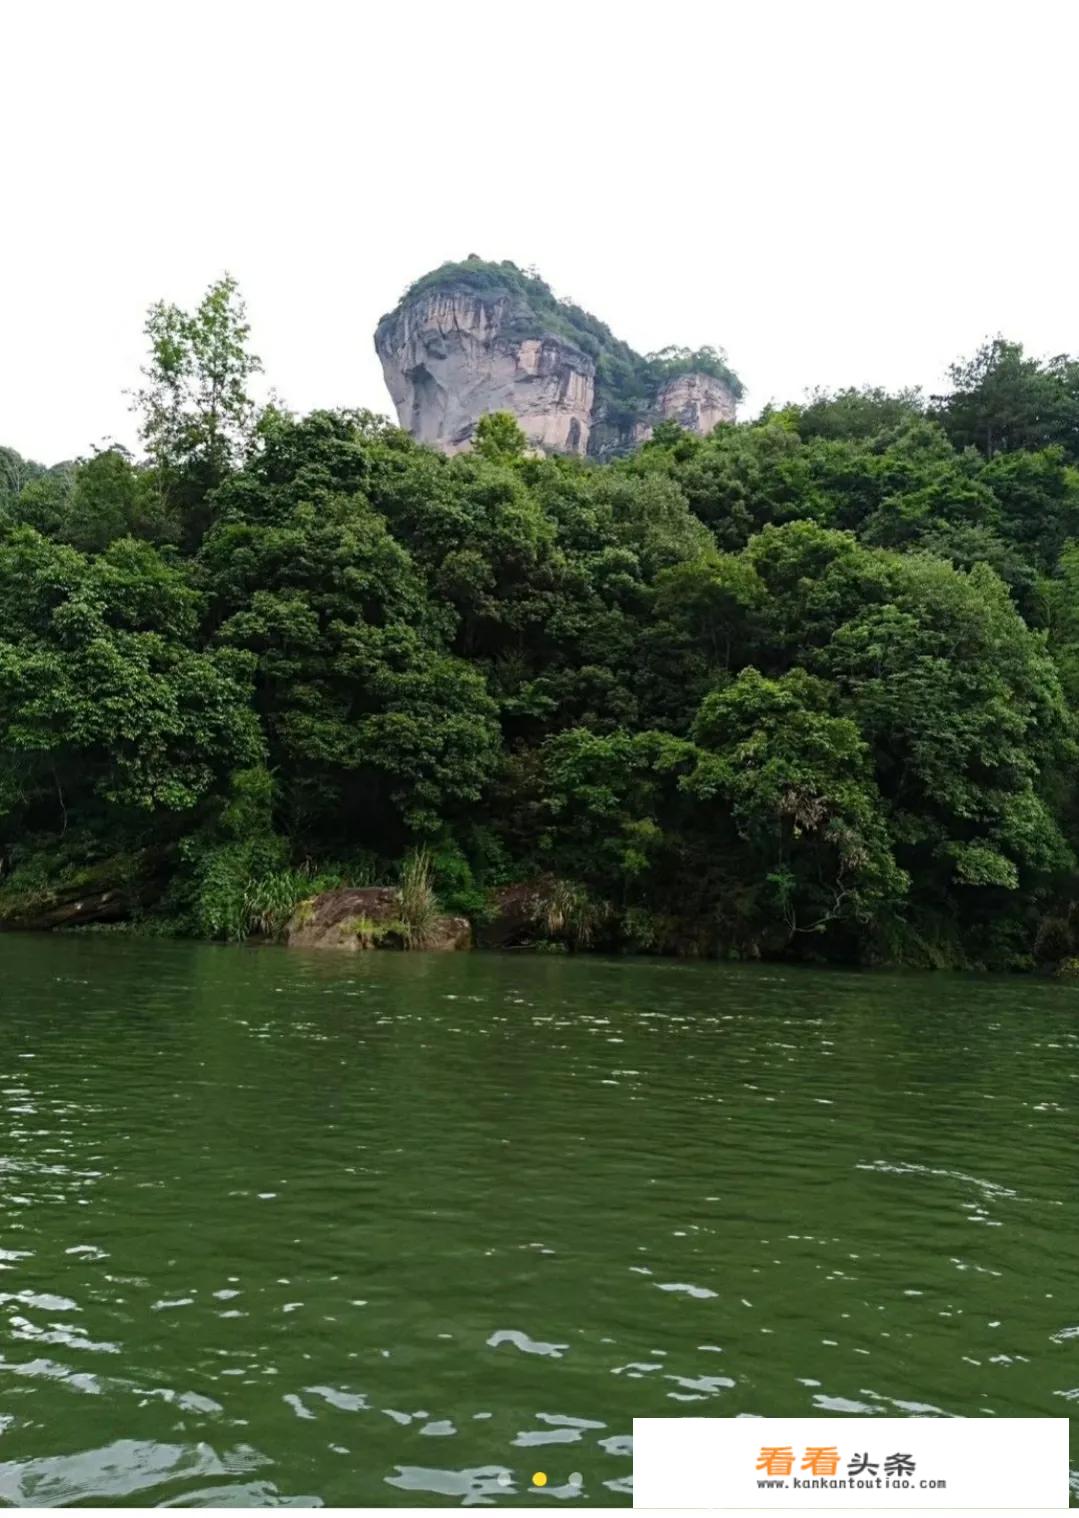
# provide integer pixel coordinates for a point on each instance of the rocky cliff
(450, 356)
(475, 337)
(697, 402)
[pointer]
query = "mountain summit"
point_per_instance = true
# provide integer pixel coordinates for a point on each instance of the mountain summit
(474, 337)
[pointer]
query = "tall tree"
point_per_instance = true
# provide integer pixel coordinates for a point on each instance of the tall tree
(1003, 400)
(197, 417)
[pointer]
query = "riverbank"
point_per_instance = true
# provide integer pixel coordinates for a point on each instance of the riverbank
(806, 688)
(540, 915)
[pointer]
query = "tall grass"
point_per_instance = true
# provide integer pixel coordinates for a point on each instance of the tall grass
(241, 890)
(417, 905)
(567, 912)
(270, 900)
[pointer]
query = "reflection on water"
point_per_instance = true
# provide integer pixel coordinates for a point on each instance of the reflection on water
(285, 1229)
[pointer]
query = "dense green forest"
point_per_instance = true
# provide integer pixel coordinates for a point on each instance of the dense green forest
(805, 688)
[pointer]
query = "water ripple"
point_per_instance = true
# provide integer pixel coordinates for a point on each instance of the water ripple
(292, 1230)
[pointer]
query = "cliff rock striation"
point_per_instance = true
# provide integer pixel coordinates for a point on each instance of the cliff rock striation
(697, 402)
(476, 337)
(451, 355)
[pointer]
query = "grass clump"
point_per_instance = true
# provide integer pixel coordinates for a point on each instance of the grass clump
(418, 907)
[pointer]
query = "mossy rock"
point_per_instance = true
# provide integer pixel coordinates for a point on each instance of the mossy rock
(367, 918)
(115, 889)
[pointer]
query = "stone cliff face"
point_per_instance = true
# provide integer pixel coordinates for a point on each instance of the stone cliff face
(697, 402)
(475, 337)
(449, 357)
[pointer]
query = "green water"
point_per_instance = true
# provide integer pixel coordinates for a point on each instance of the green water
(287, 1228)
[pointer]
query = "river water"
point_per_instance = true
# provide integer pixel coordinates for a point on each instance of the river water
(282, 1228)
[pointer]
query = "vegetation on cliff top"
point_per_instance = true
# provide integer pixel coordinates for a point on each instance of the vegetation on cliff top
(626, 382)
(804, 688)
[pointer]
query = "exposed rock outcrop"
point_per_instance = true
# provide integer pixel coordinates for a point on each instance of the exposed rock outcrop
(449, 357)
(475, 337)
(74, 909)
(697, 402)
(515, 915)
(368, 918)
(115, 889)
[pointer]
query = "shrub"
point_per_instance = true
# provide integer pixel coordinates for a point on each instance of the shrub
(243, 889)
(570, 914)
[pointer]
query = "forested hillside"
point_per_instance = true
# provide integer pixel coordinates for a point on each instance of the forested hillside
(803, 688)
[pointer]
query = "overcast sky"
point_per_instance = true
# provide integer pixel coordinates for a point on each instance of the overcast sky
(836, 194)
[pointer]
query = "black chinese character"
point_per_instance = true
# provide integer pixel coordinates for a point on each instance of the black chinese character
(861, 1464)
(899, 1465)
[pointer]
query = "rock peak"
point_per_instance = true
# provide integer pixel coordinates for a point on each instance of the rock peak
(475, 337)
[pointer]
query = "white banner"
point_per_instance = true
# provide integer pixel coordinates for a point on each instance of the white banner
(783, 1464)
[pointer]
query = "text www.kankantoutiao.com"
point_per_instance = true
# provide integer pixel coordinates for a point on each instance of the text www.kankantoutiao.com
(819, 1470)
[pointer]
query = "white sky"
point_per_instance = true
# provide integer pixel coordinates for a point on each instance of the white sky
(835, 193)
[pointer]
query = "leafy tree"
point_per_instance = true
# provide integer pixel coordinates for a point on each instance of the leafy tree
(15, 472)
(104, 701)
(367, 713)
(499, 437)
(196, 416)
(1002, 400)
(800, 787)
(712, 599)
(856, 415)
